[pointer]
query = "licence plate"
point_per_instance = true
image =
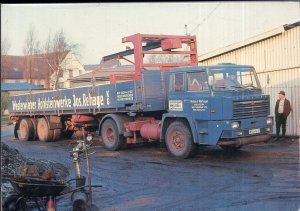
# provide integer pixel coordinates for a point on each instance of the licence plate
(254, 131)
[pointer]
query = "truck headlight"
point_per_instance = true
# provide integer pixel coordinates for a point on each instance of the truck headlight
(269, 120)
(235, 125)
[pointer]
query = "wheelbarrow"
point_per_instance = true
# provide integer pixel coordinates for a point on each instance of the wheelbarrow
(33, 190)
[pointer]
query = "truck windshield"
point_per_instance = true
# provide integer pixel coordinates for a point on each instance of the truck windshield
(233, 78)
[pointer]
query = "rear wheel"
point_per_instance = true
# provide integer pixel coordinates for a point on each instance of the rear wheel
(56, 134)
(34, 125)
(26, 130)
(179, 140)
(110, 135)
(43, 130)
(16, 128)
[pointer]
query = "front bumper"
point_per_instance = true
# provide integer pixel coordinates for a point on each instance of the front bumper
(245, 140)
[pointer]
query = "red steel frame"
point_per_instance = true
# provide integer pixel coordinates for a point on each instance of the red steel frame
(167, 43)
(138, 39)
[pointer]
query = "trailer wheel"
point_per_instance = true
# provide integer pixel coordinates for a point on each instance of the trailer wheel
(14, 202)
(43, 130)
(34, 126)
(110, 136)
(25, 130)
(56, 134)
(16, 128)
(179, 140)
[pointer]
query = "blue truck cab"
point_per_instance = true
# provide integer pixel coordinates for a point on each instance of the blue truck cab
(218, 105)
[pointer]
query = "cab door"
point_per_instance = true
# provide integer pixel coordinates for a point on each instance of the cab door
(177, 93)
(198, 95)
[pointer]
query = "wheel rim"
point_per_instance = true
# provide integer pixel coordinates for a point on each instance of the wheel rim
(109, 135)
(177, 140)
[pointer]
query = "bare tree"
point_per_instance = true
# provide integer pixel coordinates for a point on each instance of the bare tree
(31, 47)
(55, 50)
(5, 46)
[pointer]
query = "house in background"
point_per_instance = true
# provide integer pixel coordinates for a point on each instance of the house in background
(44, 70)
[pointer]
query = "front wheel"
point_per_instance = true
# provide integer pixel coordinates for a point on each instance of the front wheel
(110, 135)
(179, 140)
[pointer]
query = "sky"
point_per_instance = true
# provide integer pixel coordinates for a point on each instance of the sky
(98, 28)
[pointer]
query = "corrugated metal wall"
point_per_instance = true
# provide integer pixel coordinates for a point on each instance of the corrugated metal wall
(277, 61)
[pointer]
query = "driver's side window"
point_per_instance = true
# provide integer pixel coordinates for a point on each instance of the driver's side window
(179, 82)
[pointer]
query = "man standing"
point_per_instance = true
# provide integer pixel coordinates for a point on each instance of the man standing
(282, 110)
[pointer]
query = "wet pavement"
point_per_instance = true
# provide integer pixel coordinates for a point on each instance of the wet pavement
(258, 177)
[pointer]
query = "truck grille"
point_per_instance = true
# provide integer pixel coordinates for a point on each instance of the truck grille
(250, 108)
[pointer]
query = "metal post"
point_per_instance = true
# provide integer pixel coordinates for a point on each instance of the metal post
(88, 168)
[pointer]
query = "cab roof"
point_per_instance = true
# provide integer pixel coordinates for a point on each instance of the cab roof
(222, 65)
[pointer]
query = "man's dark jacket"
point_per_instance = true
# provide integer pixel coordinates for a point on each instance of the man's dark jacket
(286, 108)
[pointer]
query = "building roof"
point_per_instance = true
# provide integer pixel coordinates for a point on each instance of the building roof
(33, 66)
(249, 41)
(19, 87)
(90, 67)
(113, 63)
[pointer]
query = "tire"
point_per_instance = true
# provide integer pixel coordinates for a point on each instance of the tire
(25, 130)
(34, 125)
(43, 131)
(56, 134)
(14, 202)
(16, 128)
(179, 140)
(110, 135)
(231, 148)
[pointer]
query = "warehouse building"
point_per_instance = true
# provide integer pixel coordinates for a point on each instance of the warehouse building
(276, 57)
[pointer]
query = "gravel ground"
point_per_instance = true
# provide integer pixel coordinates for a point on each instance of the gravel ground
(11, 160)
(259, 177)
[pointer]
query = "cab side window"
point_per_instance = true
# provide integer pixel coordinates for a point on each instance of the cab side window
(197, 81)
(179, 82)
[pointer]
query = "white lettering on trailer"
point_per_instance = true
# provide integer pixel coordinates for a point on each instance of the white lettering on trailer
(19, 106)
(92, 100)
(47, 102)
(107, 97)
(125, 95)
(76, 101)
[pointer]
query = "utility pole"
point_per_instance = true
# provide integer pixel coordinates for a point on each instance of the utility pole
(186, 31)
